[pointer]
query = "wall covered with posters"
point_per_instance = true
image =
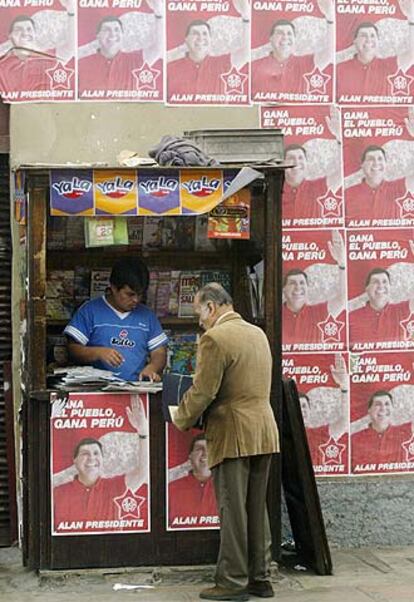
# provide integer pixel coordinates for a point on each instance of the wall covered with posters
(338, 78)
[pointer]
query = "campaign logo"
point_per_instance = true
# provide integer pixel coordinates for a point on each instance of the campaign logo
(122, 340)
(408, 328)
(129, 505)
(159, 187)
(408, 447)
(330, 329)
(146, 77)
(116, 188)
(316, 81)
(73, 188)
(234, 81)
(202, 187)
(330, 204)
(400, 83)
(406, 205)
(60, 77)
(332, 452)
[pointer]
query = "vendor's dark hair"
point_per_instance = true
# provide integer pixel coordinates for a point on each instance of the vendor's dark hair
(86, 441)
(214, 292)
(132, 272)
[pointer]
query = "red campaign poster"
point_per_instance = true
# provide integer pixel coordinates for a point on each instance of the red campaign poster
(382, 412)
(381, 289)
(292, 51)
(100, 464)
(378, 166)
(312, 192)
(191, 501)
(375, 50)
(323, 387)
(120, 50)
(314, 291)
(37, 47)
(208, 52)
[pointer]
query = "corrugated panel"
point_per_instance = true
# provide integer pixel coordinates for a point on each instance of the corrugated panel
(5, 339)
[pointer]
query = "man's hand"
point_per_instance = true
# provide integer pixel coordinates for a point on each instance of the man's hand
(327, 8)
(409, 121)
(149, 372)
(110, 356)
(157, 7)
(339, 373)
(337, 249)
(407, 8)
(69, 5)
(243, 8)
(334, 123)
(136, 416)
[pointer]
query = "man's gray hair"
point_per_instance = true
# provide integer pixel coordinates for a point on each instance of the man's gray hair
(213, 291)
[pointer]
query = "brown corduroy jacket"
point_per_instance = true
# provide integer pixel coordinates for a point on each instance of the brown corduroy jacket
(232, 387)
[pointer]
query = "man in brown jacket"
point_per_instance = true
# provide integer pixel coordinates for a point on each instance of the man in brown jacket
(232, 388)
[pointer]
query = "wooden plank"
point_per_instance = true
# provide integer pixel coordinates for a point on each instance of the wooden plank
(299, 485)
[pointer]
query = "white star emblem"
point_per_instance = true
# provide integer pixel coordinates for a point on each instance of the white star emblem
(234, 81)
(129, 505)
(408, 328)
(408, 447)
(60, 76)
(330, 329)
(332, 451)
(316, 81)
(406, 205)
(146, 77)
(330, 204)
(400, 83)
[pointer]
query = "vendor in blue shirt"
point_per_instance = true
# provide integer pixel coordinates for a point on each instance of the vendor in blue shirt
(116, 331)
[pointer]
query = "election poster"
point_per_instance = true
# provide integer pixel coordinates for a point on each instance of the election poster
(378, 166)
(323, 388)
(312, 192)
(191, 501)
(121, 50)
(314, 291)
(292, 51)
(382, 412)
(374, 52)
(37, 48)
(381, 289)
(208, 52)
(99, 464)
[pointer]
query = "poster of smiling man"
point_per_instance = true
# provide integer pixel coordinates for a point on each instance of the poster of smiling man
(100, 464)
(292, 51)
(121, 51)
(208, 52)
(37, 47)
(375, 52)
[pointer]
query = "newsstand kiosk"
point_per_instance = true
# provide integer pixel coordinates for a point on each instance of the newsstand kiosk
(136, 539)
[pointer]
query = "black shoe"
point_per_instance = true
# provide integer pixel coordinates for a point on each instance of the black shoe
(262, 589)
(224, 593)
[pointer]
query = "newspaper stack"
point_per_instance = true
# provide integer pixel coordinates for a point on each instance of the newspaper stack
(88, 377)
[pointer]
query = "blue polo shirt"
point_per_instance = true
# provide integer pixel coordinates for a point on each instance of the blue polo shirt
(134, 334)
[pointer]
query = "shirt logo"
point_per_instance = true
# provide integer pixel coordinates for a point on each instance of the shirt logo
(122, 340)
(116, 188)
(202, 187)
(159, 187)
(73, 188)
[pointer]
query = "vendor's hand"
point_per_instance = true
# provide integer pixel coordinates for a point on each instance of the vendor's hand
(149, 372)
(136, 416)
(110, 356)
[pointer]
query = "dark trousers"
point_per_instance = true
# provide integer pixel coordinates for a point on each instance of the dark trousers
(241, 486)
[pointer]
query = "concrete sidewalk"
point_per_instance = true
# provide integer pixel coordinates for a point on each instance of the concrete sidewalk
(361, 575)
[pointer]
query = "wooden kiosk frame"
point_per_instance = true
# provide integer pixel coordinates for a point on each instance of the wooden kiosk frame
(159, 547)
